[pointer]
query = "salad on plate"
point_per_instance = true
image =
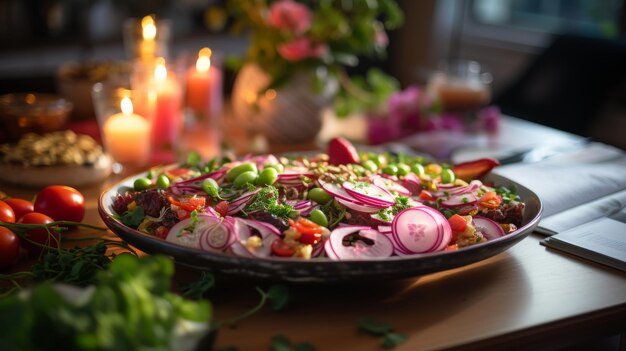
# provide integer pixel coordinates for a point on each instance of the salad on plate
(339, 205)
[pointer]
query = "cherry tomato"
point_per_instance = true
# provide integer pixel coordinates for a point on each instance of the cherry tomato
(307, 226)
(490, 200)
(310, 232)
(457, 223)
(6, 213)
(20, 206)
(222, 208)
(425, 195)
(9, 247)
(40, 236)
(61, 203)
(189, 204)
(161, 232)
(279, 248)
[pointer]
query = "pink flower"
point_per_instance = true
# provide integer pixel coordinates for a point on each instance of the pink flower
(301, 48)
(290, 15)
(489, 119)
(380, 38)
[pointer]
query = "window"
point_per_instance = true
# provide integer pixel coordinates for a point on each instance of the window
(586, 17)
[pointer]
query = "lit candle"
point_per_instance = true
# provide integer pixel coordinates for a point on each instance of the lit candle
(127, 136)
(204, 87)
(167, 116)
(147, 47)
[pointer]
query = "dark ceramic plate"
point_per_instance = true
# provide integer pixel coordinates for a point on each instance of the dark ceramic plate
(324, 270)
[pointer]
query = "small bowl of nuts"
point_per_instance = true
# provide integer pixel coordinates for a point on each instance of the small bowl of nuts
(62, 157)
(24, 113)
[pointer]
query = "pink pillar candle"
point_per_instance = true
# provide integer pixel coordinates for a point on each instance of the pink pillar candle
(165, 101)
(204, 87)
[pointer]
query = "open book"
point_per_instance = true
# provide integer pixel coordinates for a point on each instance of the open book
(583, 192)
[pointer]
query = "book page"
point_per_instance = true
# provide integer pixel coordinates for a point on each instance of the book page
(569, 180)
(587, 212)
(602, 240)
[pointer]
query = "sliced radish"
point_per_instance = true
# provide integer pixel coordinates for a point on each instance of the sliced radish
(489, 228)
(336, 191)
(369, 194)
(420, 229)
(188, 231)
(378, 218)
(358, 243)
(412, 183)
(391, 186)
(357, 206)
(459, 200)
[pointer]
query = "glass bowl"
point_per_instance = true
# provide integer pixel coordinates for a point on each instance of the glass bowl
(32, 113)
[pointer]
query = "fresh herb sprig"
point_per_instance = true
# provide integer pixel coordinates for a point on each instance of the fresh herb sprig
(266, 200)
(77, 266)
(130, 307)
(388, 337)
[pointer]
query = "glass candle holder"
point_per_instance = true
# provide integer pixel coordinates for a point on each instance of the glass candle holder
(158, 89)
(203, 103)
(147, 38)
(461, 85)
(125, 134)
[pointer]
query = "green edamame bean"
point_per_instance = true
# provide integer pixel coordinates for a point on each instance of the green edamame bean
(209, 185)
(390, 169)
(318, 217)
(319, 195)
(276, 166)
(418, 169)
(234, 172)
(267, 176)
(447, 176)
(370, 165)
(162, 182)
(244, 178)
(142, 184)
(403, 169)
(358, 169)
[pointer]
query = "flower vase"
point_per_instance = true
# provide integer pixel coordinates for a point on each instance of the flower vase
(289, 115)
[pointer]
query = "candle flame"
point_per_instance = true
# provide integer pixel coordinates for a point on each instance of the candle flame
(149, 28)
(126, 105)
(203, 64)
(271, 94)
(160, 71)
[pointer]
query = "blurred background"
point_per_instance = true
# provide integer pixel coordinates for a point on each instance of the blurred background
(561, 63)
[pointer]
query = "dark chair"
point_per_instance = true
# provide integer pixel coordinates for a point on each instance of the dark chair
(569, 85)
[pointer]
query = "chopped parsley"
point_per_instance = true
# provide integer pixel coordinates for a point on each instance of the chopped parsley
(387, 214)
(266, 200)
(508, 194)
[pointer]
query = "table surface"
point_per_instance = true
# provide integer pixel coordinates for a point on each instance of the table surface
(528, 296)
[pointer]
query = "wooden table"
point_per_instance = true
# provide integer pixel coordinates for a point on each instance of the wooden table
(527, 297)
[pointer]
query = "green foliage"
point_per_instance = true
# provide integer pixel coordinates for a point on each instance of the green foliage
(388, 337)
(198, 288)
(129, 308)
(134, 217)
(282, 343)
(348, 31)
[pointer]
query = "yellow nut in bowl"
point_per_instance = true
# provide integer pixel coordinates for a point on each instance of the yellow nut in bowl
(25, 113)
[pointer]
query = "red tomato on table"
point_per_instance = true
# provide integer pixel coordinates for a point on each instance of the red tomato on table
(6, 213)
(20, 206)
(61, 203)
(40, 236)
(9, 247)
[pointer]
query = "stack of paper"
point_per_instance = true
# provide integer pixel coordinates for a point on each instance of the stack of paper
(584, 198)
